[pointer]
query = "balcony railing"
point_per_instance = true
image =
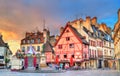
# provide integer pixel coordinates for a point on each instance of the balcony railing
(93, 57)
(108, 56)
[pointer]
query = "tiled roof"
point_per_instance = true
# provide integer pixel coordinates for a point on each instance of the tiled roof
(79, 35)
(35, 36)
(93, 35)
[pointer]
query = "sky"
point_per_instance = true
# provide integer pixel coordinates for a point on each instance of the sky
(20, 16)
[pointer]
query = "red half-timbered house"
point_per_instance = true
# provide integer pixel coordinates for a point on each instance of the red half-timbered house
(72, 46)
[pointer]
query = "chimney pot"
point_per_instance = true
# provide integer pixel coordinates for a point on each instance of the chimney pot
(119, 14)
(88, 18)
(94, 20)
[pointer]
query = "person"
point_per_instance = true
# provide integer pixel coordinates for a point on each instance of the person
(61, 66)
(66, 66)
(37, 67)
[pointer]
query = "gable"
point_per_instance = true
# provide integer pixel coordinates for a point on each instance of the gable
(68, 32)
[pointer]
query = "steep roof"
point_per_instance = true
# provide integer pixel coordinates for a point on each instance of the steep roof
(79, 35)
(93, 35)
(47, 47)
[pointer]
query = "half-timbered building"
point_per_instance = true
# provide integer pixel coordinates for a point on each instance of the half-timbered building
(72, 44)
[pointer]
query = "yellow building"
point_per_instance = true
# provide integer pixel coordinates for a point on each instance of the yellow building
(116, 38)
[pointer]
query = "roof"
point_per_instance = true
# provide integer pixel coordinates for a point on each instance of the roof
(79, 35)
(35, 36)
(47, 47)
(93, 35)
(2, 43)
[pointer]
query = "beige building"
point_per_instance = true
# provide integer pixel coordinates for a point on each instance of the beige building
(116, 38)
(41, 42)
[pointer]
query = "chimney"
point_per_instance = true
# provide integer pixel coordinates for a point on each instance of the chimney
(61, 29)
(94, 20)
(88, 19)
(119, 14)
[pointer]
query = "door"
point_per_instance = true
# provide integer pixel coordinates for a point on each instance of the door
(30, 61)
(100, 64)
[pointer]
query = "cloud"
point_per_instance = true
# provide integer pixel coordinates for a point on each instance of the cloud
(19, 16)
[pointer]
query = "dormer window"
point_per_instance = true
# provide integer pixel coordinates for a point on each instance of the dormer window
(23, 41)
(32, 41)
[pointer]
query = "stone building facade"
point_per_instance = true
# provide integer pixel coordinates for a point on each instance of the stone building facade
(116, 38)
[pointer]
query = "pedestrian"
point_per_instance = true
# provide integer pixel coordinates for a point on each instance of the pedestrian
(61, 66)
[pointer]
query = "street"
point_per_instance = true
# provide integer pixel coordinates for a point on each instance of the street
(5, 72)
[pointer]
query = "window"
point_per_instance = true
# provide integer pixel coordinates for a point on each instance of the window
(67, 38)
(27, 47)
(67, 30)
(73, 56)
(28, 41)
(38, 40)
(95, 53)
(58, 56)
(85, 55)
(65, 56)
(85, 46)
(32, 41)
(38, 48)
(23, 41)
(23, 49)
(59, 46)
(90, 52)
(33, 47)
(110, 52)
(71, 45)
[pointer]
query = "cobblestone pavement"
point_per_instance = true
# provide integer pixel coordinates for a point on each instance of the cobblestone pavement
(5, 72)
